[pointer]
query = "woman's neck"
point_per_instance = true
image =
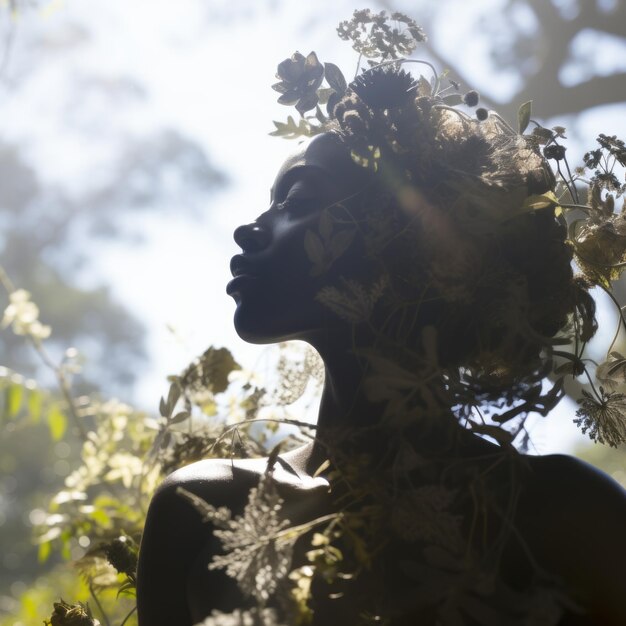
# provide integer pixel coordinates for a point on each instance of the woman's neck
(350, 421)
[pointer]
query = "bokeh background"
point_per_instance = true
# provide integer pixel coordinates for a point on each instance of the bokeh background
(134, 139)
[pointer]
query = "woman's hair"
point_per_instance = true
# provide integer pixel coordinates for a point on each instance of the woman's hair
(463, 239)
(469, 229)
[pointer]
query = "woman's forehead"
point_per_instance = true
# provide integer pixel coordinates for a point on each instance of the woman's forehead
(326, 156)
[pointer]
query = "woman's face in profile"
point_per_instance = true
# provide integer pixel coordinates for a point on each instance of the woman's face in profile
(273, 284)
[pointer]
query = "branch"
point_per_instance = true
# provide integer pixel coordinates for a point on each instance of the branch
(566, 100)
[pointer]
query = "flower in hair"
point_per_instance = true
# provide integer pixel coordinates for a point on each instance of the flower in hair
(299, 79)
(384, 87)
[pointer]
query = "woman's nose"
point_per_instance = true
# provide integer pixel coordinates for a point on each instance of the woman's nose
(251, 237)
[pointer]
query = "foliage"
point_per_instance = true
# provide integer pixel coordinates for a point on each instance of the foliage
(125, 453)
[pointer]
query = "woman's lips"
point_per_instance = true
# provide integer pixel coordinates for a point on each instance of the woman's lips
(236, 283)
(242, 272)
(239, 266)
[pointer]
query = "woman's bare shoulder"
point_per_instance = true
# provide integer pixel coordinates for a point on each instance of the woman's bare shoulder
(575, 514)
(569, 475)
(229, 480)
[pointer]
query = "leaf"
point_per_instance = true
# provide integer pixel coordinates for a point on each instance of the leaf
(57, 423)
(272, 457)
(35, 402)
(314, 247)
(162, 407)
(322, 468)
(172, 397)
(217, 365)
(291, 130)
(540, 201)
(319, 116)
(453, 99)
(503, 437)
(333, 99)
(306, 103)
(523, 116)
(13, 399)
(44, 551)
(179, 417)
(335, 78)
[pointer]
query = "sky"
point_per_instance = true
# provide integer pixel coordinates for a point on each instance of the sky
(203, 68)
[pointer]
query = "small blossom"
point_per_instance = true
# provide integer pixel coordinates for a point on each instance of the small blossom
(22, 315)
(554, 151)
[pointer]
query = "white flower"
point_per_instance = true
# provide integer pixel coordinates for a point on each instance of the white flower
(22, 315)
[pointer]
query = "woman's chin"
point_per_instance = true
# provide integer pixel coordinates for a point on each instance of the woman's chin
(256, 327)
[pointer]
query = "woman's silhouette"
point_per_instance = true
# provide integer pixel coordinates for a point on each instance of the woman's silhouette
(397, 294)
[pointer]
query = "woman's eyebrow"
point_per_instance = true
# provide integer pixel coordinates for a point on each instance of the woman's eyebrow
(297, 173)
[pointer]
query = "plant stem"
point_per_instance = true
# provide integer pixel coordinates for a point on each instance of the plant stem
(105, 617)
(128, 616)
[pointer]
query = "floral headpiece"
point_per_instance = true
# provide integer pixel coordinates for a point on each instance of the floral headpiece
(480, 175)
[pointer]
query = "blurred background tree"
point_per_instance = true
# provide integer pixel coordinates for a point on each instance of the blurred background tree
(565, 55)
(80, 194)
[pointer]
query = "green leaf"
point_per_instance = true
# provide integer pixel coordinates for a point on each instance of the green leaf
(101, 517)
(540, 201)
(44, 551)
(523, 116)
(335, 78)
(57, 423)
(13, 399)
(291, 130)
(35, 403)
(179, 417)
(172, 397)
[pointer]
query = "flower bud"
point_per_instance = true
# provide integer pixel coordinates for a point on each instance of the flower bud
(471, 98)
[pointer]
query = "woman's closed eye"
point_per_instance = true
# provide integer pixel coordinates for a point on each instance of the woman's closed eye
(301, 196)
